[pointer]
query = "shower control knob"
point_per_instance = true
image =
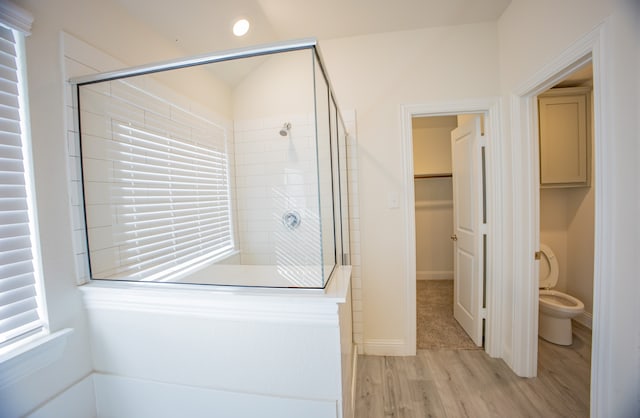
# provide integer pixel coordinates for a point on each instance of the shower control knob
(291, 219)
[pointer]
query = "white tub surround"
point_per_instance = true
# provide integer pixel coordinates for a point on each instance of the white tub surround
(254, 348)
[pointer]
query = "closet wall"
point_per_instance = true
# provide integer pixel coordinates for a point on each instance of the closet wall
(433, 196)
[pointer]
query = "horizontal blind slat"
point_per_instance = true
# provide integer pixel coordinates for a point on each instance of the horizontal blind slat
(161, 232)
(23, 323)
(16, 301)
(13, 216)
(203, 234)
(16, 244)
(14, 282)
(16, 269)
(10, 139)
(10, 152)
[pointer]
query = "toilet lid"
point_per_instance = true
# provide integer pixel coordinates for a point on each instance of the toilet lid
(548, 268)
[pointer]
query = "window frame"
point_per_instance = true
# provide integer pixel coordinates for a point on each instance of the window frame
(19, 22)
(30, 353)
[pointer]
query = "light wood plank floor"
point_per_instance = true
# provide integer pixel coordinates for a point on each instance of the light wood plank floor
(468, 383)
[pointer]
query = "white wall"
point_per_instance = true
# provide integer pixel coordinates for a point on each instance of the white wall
(432, 144)
(434, 226)
(279, 86)
(553, 229)
(580, 245)
(567, 227)
(527, 44)
(374, 75)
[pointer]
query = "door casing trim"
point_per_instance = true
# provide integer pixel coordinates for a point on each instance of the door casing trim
(491, 108)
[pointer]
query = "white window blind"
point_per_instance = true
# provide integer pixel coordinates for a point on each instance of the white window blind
(19, 314)
(174, 208)
(167, 187)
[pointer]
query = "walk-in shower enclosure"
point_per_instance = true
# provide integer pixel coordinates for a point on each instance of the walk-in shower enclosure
(223, 169)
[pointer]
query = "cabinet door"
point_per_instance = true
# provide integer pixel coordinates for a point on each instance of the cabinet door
(563, 140)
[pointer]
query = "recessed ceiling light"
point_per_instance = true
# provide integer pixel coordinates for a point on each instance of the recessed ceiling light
(241, 27)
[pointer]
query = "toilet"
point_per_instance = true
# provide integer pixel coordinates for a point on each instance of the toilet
(555, 308)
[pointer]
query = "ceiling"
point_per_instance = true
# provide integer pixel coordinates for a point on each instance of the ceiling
(200, 26)
(583, 76)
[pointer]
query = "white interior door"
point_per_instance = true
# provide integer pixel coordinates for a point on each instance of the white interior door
(468, 226)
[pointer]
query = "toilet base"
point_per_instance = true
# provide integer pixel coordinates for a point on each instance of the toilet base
(555, 330)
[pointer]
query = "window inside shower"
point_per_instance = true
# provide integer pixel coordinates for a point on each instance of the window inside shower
(239, 180)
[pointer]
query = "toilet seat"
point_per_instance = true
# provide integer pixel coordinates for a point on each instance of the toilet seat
(548, 280)
(559, 300)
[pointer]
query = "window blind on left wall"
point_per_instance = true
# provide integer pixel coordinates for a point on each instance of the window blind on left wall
(19, 314)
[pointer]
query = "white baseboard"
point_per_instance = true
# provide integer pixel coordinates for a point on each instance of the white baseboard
(385, 347)
(434, 275)
(585, 318)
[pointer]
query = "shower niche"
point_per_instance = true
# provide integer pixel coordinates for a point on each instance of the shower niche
(224, 169)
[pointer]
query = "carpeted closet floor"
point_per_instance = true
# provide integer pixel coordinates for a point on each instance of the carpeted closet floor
(436, 326)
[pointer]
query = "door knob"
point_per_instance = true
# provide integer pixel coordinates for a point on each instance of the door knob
(454, 237)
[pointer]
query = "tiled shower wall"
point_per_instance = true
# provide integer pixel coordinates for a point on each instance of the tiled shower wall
(354, 229)
(275, 175)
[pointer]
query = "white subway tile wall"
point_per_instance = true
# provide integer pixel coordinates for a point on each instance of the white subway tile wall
(354, 230)
(276, 175)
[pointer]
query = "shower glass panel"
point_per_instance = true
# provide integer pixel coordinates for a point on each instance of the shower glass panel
(343, 191)
(325, 174)
(333, 118)
(218, 170)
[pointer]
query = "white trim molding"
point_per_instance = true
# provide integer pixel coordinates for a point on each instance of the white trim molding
(32, 356)
(385, 347)
(526, 199)
(491, 107)
(526, 217)
(255, 304)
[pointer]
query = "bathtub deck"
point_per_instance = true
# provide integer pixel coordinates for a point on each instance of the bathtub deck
(256, 276)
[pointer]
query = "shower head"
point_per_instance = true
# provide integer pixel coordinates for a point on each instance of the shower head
(285, 129)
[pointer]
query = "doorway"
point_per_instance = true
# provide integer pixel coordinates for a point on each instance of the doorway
(491, 246)
(441, 321)
(566, 221)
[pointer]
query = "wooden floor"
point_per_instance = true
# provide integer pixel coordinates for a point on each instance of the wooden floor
(468, 383)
